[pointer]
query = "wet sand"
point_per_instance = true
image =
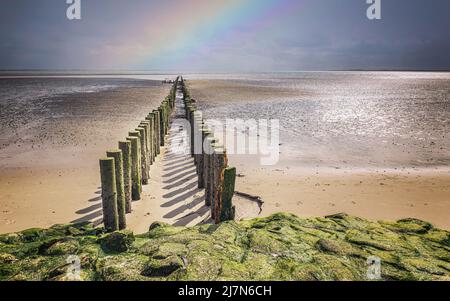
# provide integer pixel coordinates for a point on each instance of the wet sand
(49, 171)
(373, 192)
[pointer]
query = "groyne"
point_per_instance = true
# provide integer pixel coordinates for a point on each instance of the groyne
(124, 170)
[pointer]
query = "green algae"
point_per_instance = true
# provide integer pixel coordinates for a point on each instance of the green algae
(279, 247)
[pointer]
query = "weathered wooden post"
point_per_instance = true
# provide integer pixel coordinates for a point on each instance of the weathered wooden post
(192, 121)
(161, 125)
(146, 126)
(227, 210)
(165, 107)
(197, 137)
(144, 163)
(157, 131)
(136, 177)
(149, 118)
(109, 194)
(209, 175)
(219, 164)
(206, 157)
(125, 147)
(201, 158)
(118, 167)
(188, 110)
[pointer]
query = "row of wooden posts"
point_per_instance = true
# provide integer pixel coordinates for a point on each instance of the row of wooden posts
(210, 158)
(124, 170)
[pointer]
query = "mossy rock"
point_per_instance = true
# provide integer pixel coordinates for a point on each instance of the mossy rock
(155, 225)
(163, 267)
(279, 247)
(409, 225)
(10, 238)
(32, 235)
(119, 241)
(121, 267)
(60, 247)
(337, 247)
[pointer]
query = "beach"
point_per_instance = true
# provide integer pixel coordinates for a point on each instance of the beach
(50, 149)
(49, 170)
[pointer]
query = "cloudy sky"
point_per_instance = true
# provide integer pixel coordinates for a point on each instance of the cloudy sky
(225, 35)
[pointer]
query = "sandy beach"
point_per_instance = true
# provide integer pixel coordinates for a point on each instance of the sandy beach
(49, 170)
(49, 167)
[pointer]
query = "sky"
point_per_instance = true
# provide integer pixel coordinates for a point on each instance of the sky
(225, 35)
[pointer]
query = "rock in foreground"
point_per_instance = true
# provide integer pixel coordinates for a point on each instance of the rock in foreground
(278, 247)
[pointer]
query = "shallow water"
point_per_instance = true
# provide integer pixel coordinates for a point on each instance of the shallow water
(25, 102)
(333, 119)
(351, 119)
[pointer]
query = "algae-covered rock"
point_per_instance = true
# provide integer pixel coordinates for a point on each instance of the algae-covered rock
(121, 267)
(278, 247)
(118, 241)
(155, 225)
(60, 247)
(163, 267)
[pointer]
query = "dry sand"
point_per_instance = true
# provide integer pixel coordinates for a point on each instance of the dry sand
(390, 195)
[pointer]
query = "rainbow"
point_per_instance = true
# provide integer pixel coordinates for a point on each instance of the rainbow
(177, 30)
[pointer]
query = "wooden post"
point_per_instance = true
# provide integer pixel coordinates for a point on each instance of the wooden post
(157, 131)
(118, 167)
(227, 210)
(161, 126)
(219, 166)
(204, 160)
(136, 180)
(109, 194)
(146, 126)
(192, 121)
(125, 147)
(149, 118)
(152, 119)
(144, 161)
(200, 160)
(209, 191)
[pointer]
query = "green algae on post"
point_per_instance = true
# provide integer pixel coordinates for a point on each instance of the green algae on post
(146, 126)
(208, 158)
(125, 147)
(109, 194)
(227, 210)
(157, 131)
(161, 125)
(136, 180)
(149, 118)
(220, 162)
(144, 161)
(118, 165)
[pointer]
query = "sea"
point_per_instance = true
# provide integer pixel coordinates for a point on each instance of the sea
(335, 119)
